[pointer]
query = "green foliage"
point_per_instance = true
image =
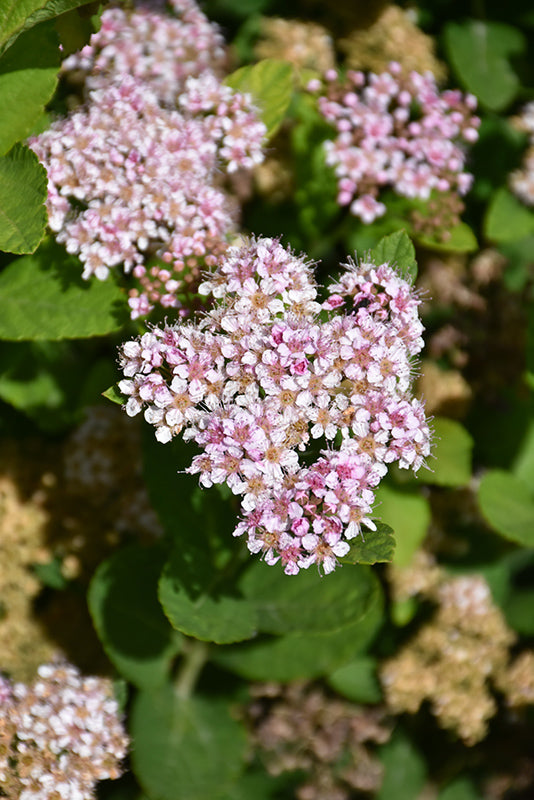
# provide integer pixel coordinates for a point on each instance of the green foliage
(460, 789)
(127, 616)
(23, 186)
(357, 680)
(185, 748)
(452, 446)
(459, 239)
(507, 220)
(508, 505)
(410, 513)
(17, 16)
(270, 82)
(397, 249)
(28, 79)
(372, 547)
(39, 293)
(481, 54)
(404, 769)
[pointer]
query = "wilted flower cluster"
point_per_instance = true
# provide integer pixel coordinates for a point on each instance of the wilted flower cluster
(397, 131)
(298, 727)
(307, 45)
(134, 184)
(158, 48)
(59, 736)
(454, 658)
(522, 180)
(298, 407)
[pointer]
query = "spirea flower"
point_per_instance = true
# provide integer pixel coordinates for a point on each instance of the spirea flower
(59, 735)
(299, 407)
(397, 131)
(160, 44)
(522, 179)
(133, 184)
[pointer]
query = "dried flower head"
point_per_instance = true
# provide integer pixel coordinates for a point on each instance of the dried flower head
(307, 45)
(59, 735)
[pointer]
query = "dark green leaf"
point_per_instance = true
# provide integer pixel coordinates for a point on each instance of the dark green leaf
(461, 789)
(371, 547)
(451, 448)
(17, 16)
(307, 602)
(404, 770)
(185, 748)
(518, 611)
(480, 53)
(270, 82)
(127, 616)
(507, 219)
(508, 506)
(23, 187)
(200, 600)
(45, 297)
(28, 79)
(397, 249)
(409, 514)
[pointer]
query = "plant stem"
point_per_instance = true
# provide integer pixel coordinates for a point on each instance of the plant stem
(195, 656)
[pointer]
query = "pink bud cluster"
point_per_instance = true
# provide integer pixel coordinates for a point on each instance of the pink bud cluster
(398, 131)
(299, 407)
(59, 736)
(134, 184)
(158, 48)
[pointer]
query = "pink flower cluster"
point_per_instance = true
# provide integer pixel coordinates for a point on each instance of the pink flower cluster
(59, 735)
(134, 184)
(395, 130)
(522, 179)
(158, 48)
(299, 407)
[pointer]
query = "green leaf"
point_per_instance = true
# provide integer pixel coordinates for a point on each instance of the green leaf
(23, 188)
(129, 621)
(460, 789)
(451, 448)
(357, 681)
(28, 79)
(518, 611)
(508, 505)
(460, 239)
(371, 547)
(480, 54)
(296, 656)
(114, 395)
(17, 16)
(200, 600)
(397, 250)
(45, 297)
(185, 748)
(404, 769)
(409, 513)
(507, 219)
(270, 82)
(307, 602)
(43, 380)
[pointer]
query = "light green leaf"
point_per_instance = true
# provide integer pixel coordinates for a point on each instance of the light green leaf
(17, 16)
(451, 448)
(371, 547)
(357, 681)
(409, 513)
(307, 602)
(460, 239)
(480, 54)
(397, 249)
(270, 82)
(23, 187)
(114, 395)
(128, 618)
(44, 297)
(28, 79)
(507, 220)
(185, 748)
(508, 505)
